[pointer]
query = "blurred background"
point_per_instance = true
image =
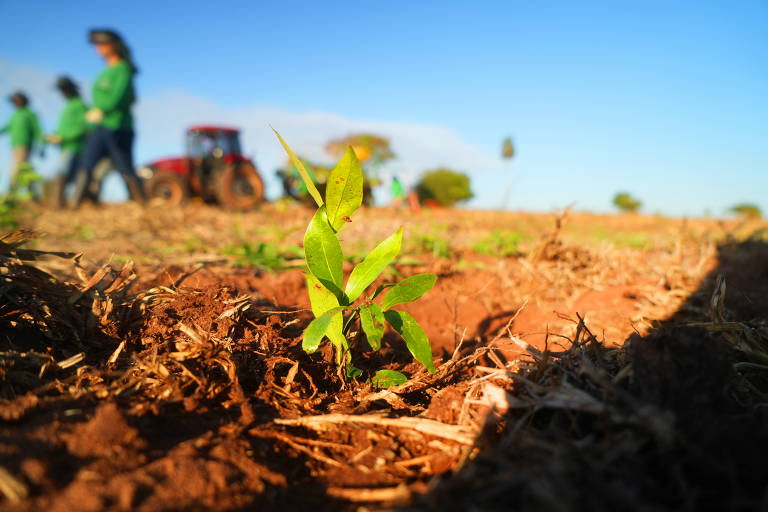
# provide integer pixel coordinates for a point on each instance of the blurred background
(667, 101)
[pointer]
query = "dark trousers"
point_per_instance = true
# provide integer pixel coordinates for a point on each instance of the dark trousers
(118, 146)
(115, 144)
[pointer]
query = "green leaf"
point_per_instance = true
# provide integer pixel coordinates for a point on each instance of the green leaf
(323, 253)
(322, 299)
(414, 336)
(317, 328)
(388, 378)
(409, 289)
(380, 289)
(369, 269)
(344, 190)
(352, 371)
(372, 320)
(304, 175)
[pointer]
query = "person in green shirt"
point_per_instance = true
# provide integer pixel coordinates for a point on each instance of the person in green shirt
(397, 192)
(70, 135)
(24, 129)
(112, 135)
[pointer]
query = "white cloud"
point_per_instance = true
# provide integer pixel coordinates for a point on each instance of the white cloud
(161, 120)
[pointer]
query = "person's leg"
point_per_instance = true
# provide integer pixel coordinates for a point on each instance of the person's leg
(56, 188)
(19, 156)
(102, 169)
(65, 158)
(73, 164)
(95, 147)
(120, 148)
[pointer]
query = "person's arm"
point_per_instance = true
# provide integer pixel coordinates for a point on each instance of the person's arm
(109, 100)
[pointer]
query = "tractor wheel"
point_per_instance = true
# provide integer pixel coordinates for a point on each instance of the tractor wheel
(170, 189)
(239, 187)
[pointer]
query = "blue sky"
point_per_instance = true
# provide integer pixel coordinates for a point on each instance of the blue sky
(667, 100)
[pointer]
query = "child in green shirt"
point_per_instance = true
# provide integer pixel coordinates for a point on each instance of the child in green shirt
(24, 129)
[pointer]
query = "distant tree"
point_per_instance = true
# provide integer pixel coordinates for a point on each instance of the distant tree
(444, 186)
(507, 153)
(748, 210)
(507, 149)
(368, 147)
(626, 203)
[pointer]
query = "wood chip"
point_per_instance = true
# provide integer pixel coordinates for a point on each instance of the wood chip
(456, 433)
(11, 487)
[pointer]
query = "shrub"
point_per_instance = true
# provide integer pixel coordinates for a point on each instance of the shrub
(749, 210)
(444, 186)
(626, 203)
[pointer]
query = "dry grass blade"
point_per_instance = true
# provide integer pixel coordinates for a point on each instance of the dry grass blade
(362, 495)
(11, 487)
(459, 434)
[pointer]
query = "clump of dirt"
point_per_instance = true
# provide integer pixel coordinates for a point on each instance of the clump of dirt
(103, 435)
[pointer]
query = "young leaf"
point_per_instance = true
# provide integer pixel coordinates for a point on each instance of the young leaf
(380, 289)
(321, 299)
(388, 378)
(414, 336)
(409, 289)
(372, 320)
(370, 268)
(344, 192)
(352, 371)
(304, 175)
(323, 253)
(317, 328)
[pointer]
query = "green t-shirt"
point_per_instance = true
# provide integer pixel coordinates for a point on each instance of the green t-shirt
(72, 125)
(113, 93)
(24, 128)
(396, 189)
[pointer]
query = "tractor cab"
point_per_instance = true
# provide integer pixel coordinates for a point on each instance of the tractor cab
(213, 142)
(210, 146)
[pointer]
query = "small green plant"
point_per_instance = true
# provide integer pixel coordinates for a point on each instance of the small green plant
(498, 243)
(626, 203)
(262, 255)
(19, 192)
(82, 233)
(748, 210)
(337, 307)
(435, 244)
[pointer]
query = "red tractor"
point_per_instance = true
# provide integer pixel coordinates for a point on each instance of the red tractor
(213, 169)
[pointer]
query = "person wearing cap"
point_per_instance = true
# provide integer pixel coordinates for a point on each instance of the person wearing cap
(70, 135)
(24, 129)
(112, 135)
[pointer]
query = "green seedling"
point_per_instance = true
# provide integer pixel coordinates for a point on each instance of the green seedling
(11, 204)
(262, 255)
(337, 306)
(83, 233)
(498, 243)
(431, 243)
